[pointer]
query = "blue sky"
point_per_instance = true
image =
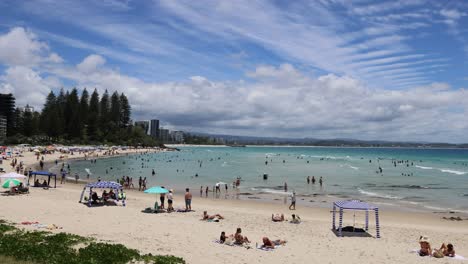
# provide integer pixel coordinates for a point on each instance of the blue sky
(381, 52)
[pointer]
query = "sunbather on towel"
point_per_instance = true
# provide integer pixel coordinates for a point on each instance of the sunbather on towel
(239, 238)
(277, 218)
(425, 246)
(267, 243)
(206, 216)
(447, 250)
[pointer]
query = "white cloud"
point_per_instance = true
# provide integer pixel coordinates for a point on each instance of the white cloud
(283, 101)
(91, 63)
(20, 47)
(452, 14)
(27, 86)
(55, 58)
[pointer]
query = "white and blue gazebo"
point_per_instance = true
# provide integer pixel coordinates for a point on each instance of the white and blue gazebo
(355, 205)
(103, 185)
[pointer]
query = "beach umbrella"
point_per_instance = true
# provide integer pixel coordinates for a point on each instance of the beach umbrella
(12, 175)
(36, 150)
(11, 183)
(221, 183)
(50, 148)
(156, 189)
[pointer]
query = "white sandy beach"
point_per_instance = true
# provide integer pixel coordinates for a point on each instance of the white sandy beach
(184, 235)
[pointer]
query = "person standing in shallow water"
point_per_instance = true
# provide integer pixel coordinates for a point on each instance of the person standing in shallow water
(313, 179)
(321, 181)
(308, 179)
(285, 187)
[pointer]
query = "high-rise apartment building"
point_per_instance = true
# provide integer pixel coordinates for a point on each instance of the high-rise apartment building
(154, 128)
(164, 135)
(7, 109)
(3, 128)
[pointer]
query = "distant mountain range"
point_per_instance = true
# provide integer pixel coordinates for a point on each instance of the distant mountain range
(339, 142)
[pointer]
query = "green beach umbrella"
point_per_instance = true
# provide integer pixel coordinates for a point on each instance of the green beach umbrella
(11, 183)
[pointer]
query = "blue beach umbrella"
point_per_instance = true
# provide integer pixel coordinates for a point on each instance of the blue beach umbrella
(156, 189)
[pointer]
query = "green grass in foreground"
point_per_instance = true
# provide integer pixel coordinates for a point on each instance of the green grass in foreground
(23, 247)
(11, 260)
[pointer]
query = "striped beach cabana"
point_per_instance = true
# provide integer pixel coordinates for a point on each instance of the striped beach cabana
(103, 185)
(355, 205)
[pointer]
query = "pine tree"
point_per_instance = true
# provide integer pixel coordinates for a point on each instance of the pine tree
(49, 116)
(125, 111)
(27, 116)
(17, 122)
(83, 112)
(115, 110)
(36, 122)
(105, 114)
(60, 112)
(72, 115)
(93, 117)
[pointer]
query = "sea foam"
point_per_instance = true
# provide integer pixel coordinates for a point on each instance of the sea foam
(424, 168)
(453, 171)
(373, 194)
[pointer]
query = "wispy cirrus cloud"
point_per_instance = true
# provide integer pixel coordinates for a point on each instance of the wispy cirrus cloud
(323, 46)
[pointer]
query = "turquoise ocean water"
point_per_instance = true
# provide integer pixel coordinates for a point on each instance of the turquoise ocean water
(413, 179)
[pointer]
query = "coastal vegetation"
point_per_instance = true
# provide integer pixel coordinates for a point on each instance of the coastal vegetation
(70, 118)
(20, 246)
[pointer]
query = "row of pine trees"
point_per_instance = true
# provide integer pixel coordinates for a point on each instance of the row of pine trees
(84, 117)
(77, 118)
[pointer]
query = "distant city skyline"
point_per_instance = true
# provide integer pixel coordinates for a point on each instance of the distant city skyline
(369, 70)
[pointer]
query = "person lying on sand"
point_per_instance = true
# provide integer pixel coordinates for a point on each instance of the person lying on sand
(447, 250)
(277, 218)
(267, 243)
(206, 216)
(239, 238)
(425, 246)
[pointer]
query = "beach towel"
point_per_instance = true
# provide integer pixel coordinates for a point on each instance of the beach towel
(179, 210)
(457, 257)
(267, 249)
(230, 242)
(29, 223)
